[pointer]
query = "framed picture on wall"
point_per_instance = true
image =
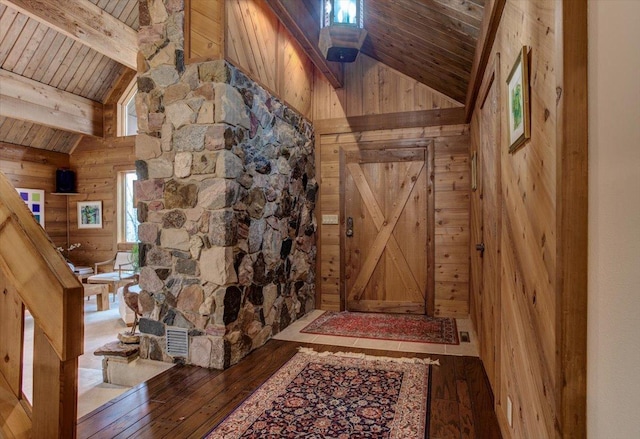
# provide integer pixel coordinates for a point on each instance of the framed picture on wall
(474, 171)
(90, 214)
(34, 199)
(518, 109)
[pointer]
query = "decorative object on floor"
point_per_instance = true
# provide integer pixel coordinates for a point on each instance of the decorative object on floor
(336, 395)
(397, 327)
(89, 214)
(126, 314)
(117, 356)
(131, 299)
(117, 349)
(34, 199)
(127, 337)
(518, 101)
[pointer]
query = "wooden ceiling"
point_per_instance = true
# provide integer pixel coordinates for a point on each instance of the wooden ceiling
(58, 62)
(34, 52)
(432, 41)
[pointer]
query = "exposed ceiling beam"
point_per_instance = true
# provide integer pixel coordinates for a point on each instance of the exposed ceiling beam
(295, 16)
(18, 153)
(492, 14)
(86, 23)
(29, 100)
(391, 121)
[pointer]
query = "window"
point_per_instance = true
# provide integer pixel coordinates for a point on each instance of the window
(131, 120)
(127, 211)
(127, 117)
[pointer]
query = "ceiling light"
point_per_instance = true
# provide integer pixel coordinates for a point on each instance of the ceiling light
(342, 33)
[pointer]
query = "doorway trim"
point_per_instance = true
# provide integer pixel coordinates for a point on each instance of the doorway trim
(572, 211)
(493, 79)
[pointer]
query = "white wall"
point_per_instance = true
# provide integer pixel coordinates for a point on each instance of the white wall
(613, 386)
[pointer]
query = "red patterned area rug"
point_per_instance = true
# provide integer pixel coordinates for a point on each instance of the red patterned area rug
(397, 327)
(343, 395)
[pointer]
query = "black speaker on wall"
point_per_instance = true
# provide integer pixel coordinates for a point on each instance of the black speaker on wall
(65, 181)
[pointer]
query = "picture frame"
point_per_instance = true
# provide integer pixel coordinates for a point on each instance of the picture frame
(34, 199)
(90, 214)
(474, 171)
(518, 104)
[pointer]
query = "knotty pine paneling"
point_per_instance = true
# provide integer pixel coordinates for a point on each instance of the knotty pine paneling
(258, 44)
(249, 35)
(371, 87)
(528, 296)
(452, 186)
(97, 163)
(33, 168)
(450, 146)
(204, 28)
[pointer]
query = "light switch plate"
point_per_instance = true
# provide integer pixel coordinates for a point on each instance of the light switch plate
(329, 219)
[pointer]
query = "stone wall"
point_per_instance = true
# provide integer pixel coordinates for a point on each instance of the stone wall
(226, 198)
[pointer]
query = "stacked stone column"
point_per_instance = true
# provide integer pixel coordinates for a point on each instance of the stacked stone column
(225, 197)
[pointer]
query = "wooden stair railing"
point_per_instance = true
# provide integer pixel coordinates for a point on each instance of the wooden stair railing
(35, 275)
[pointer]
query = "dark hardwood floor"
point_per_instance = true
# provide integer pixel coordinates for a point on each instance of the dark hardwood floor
(186, 401)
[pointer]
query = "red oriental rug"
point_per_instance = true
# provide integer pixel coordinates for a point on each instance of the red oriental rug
(397, 327)
(345, 396)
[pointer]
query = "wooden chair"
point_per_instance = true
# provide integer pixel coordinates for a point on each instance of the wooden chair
(122, 271)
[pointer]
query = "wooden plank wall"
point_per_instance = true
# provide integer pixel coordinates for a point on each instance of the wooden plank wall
(258, 44)
(452, 186)
(451, 181)
(251, 38)
(97, 163)
(33, 168)
(528, 335)
(204, 28)
(371, 87)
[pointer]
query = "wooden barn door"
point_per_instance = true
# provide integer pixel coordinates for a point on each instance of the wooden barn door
(385, 230)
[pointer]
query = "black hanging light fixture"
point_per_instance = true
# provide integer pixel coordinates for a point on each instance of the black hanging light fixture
(342, 33)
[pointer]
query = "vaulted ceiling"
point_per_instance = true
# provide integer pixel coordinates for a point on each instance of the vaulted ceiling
(432, 41)
(54, 75)
(59, 66)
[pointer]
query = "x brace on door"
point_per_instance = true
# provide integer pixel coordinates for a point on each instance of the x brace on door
(385, 227)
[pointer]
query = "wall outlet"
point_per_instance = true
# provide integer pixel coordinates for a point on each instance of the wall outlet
(509, 412)
(329, 219)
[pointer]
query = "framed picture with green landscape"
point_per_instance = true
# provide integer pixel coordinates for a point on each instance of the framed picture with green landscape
(90, 214)
(518, 109)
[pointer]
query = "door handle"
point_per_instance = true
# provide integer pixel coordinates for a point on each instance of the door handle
(480, 248)
(349, 231)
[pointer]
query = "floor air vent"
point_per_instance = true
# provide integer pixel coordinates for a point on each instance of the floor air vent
(177, 342)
